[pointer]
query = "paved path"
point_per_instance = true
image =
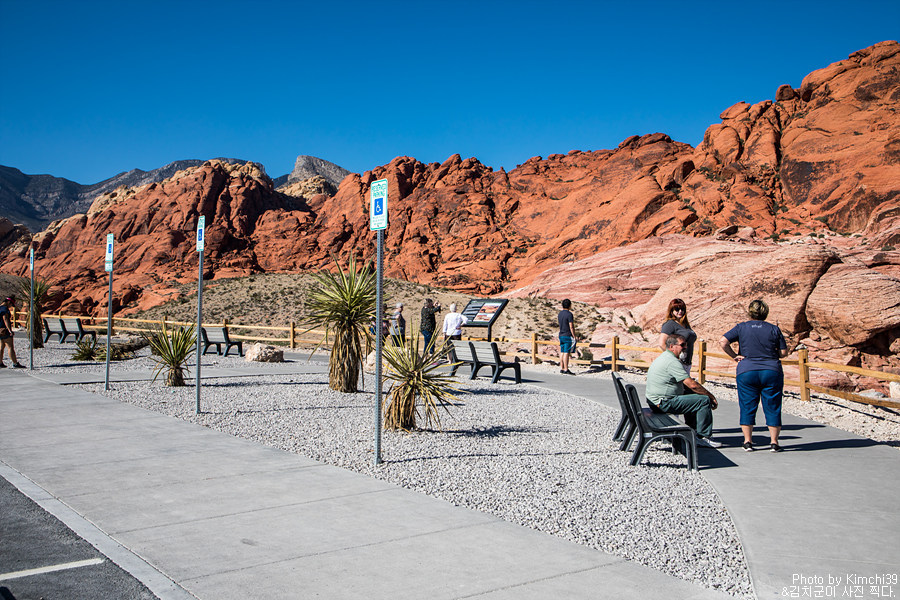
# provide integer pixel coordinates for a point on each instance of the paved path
(825, 507)
(201, 513)
(195, 512)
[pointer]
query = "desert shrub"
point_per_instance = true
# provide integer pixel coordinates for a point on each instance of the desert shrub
(416, 381)
(170, 351)
(344, 304)
(85, 349)
(41, 296)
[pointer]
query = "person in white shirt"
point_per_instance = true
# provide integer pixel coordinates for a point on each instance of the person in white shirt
(453, 323)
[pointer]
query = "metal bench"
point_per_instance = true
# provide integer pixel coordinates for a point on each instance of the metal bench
(460, 354)
(218, 336)
(53, 326)
(653, 426)
(626, 428)
(74, 327)
(486, 354)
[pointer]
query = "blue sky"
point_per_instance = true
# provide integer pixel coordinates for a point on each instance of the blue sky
(91, 89)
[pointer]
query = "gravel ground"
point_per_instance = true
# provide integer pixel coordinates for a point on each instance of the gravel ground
(540, 459)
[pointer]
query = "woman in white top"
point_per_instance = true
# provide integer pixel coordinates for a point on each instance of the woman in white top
(453, 323)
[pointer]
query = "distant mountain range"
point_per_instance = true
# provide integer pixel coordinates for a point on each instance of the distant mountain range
(37, 200)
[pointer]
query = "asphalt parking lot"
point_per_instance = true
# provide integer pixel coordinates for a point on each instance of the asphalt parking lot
(42, 559)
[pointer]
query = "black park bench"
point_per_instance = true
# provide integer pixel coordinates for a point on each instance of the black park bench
(218, 336)
(487, 354)
(64, 327)
(651, 426)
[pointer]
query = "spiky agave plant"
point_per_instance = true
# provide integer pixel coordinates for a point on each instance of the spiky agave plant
(171, 351)
(343, 303)
(416, 381)
(41, 296)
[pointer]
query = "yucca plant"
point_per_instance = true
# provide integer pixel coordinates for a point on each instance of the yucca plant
(41, 296)
(416, 382)
(170, 351)
(86, 349)
(343, 303)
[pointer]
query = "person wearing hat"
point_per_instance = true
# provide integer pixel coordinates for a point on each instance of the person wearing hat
(398, 326)
(6, 335)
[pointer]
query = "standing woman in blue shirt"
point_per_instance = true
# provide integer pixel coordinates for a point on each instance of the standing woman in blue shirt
(759, 375)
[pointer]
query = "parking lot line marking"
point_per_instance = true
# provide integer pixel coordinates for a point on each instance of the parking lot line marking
(52, 568)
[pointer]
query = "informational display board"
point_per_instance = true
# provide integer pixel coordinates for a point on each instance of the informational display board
(484, 312)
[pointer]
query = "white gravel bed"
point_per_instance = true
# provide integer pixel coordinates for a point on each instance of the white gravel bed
(532, 457)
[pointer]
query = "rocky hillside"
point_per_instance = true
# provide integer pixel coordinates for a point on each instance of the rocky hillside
(822, 160)
(307, 167)
(36, 200)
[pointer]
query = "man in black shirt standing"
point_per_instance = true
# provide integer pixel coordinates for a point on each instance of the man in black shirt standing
(566, 336)
(428, 324)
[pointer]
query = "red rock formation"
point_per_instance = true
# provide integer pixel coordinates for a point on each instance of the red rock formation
(828, 153)
(837, 303)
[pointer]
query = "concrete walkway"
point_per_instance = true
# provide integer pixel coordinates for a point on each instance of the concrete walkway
(194, 512)
(825, 507)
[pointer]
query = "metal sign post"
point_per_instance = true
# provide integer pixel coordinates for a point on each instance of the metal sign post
(201, 227)
(109, 269)
(31, 312)
(378, 220)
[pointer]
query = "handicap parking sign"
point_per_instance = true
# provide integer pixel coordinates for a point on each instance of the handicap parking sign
(378, 205)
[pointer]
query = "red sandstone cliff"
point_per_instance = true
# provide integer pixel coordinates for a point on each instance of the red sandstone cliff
(827, 154)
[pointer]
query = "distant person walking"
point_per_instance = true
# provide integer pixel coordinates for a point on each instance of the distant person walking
(6, 332)
(453, 323)
(677, 324)
(567, 337)
(428, 323)
(398, 325)
(761, 345)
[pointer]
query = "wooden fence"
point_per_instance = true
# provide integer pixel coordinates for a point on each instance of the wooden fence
(292, 334)
(702, 368)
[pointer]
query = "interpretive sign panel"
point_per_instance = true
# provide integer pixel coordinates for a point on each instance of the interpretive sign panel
(483, 312)
(378, 205)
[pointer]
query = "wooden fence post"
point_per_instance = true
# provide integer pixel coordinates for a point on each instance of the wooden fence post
(615, 354)
(802, 360)
(292, 335)
(534, 358)
(225, 325)
(701, 362)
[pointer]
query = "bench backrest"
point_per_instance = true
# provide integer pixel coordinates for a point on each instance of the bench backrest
(633, 404)
(486, 352)
(72, 325)
(460, 351)
(619, 384)
(215, 334)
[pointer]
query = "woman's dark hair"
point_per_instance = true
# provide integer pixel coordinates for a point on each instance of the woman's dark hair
(566, 303)
(677, 303)
(758, 310)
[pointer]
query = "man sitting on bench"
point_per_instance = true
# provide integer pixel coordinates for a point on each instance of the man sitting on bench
(666, 380)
